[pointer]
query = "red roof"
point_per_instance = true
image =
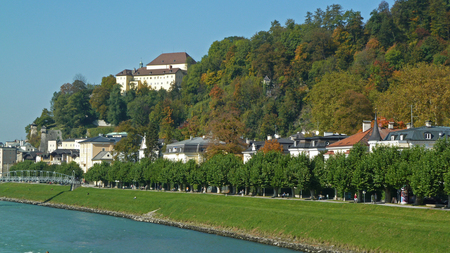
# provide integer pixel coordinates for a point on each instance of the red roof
(362, 137)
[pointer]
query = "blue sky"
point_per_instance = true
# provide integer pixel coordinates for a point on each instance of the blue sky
(44, 44)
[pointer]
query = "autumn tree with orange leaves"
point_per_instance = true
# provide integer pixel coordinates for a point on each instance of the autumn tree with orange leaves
(272, 145)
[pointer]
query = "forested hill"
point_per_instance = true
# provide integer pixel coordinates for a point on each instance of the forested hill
(329, 73)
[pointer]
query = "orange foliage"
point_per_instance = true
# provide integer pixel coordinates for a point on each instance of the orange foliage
(272, 145)
(373, 44)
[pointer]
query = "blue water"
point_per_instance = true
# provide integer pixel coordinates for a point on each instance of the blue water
(29, 228)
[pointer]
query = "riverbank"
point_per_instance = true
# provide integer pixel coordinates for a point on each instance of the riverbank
(301, 225)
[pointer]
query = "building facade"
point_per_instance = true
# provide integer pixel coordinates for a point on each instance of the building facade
(192, 149)
(8, 157)
(91, 147)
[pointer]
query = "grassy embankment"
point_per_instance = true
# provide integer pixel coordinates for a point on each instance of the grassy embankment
(357, 227)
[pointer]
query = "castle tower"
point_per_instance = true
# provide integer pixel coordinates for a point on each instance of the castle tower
(43, 145)
(33, 130)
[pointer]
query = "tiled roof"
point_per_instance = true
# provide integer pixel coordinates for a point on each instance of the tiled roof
(170, 58)
(125, 72)
(361, 137)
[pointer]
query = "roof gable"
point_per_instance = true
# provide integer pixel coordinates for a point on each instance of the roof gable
(104, 156)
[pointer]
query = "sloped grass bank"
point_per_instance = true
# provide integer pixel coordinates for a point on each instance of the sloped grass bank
(347, 226)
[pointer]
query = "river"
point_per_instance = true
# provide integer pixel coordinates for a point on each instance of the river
(30, 228)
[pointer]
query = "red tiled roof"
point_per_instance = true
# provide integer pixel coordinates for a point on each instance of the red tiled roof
(125, 72)
(170, 58)
(361, 137)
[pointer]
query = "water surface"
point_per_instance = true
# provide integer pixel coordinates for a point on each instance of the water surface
(30, 228)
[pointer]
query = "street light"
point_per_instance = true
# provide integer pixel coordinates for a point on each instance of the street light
(73, 178)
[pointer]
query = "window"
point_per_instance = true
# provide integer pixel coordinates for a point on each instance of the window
(392, 137)
(428, 136)
(402, 137)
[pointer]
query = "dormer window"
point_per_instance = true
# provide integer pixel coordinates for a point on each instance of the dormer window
(428, 136)
(402, 137)
(392, 137)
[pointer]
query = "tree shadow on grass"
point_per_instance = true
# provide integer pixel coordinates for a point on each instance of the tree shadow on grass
(54, 196)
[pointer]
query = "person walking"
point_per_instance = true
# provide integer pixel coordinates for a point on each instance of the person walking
(355, 199)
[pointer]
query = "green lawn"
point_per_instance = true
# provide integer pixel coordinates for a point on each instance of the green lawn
(353, 226)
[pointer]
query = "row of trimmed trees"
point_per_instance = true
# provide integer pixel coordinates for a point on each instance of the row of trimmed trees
(424, 171)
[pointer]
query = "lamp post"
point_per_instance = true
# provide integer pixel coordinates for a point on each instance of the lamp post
(364, 192)
(73, 178)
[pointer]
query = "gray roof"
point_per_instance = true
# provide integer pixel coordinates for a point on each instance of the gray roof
(420, 133)
(148, 72)
(197, 144)
(103, 155)
(60, 152)
(318, 141)
(376, 132)
(100, 139)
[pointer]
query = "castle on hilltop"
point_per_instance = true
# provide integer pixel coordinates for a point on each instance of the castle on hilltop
(163, 72)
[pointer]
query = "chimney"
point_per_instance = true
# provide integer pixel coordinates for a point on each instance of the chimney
(190, 138)
(269, 137)
(428, 123)
(408, 126)
(391, 125)
(247, 141)
(366, 125)
(327, 133)
(276, 136)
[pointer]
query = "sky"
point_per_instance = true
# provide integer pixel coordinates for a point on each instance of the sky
(44, 44)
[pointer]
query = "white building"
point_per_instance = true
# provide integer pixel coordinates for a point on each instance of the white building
(163, 72)
(191, 149)
(425, 136)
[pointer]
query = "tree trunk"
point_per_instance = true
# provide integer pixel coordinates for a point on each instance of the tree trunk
(387, 195)
(264, 192)
(293, 192)
(218, 189)
(419, 200)
(312, 192)
(335, 194)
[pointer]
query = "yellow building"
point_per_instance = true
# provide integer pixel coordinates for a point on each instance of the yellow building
(91, 147)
